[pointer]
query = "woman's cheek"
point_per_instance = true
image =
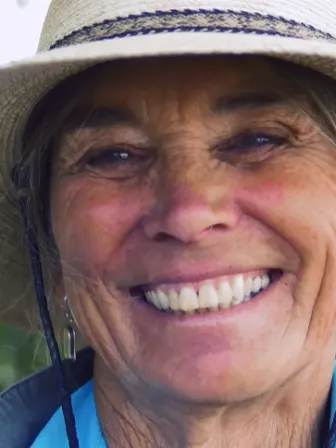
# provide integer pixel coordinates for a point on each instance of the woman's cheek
(90, 226)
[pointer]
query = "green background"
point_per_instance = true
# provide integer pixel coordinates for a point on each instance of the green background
(21, 354)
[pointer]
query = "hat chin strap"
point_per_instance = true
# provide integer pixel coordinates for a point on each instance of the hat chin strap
(36, 266)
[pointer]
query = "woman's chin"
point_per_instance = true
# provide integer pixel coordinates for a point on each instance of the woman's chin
(209, 379)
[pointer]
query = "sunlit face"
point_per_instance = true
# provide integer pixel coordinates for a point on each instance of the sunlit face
(195, 182)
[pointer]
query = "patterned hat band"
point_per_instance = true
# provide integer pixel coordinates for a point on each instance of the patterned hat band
(193, 20)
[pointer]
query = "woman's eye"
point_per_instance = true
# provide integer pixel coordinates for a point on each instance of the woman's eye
(108, 157)
(251, 147)
(250, 141)
(115, 161)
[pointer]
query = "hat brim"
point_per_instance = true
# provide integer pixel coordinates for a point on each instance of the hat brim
(24, 83)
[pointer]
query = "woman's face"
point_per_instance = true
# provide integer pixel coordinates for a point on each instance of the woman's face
(188, 182)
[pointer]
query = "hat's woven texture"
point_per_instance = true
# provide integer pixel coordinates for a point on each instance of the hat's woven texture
(79, 33)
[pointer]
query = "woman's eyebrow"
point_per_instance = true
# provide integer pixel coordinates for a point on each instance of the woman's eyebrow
(234, 103)
(99, 117)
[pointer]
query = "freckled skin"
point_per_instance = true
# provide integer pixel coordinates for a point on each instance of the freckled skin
(185, 206)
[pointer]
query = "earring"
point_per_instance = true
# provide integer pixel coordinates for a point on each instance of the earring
(69, 335)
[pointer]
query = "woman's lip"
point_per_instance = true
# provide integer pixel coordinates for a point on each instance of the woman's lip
(199, 277)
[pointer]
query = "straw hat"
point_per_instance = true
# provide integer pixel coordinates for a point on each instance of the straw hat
(79, 33)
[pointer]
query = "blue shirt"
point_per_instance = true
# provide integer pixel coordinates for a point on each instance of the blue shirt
(89, 432)
(88, 429)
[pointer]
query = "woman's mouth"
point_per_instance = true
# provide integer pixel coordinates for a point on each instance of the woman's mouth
(209, 295)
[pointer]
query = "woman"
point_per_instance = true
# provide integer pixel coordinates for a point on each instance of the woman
(181, 206)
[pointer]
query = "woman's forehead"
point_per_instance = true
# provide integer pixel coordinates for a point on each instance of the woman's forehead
(186, 78)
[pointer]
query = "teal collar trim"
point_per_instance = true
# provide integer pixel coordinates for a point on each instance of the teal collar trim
(333, 398)
(89, 432)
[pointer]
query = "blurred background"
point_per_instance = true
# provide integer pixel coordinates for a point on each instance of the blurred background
(21, 353)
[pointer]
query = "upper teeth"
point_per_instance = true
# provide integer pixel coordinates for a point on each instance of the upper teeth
(220, 293)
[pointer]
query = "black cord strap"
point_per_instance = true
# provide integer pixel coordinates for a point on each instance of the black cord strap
(36, 266)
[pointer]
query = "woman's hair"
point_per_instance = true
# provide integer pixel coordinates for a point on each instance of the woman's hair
(49, 118)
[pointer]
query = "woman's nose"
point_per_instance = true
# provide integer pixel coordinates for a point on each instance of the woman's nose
(189, 214)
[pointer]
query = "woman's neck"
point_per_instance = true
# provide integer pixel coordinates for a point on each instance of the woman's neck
(292, 417)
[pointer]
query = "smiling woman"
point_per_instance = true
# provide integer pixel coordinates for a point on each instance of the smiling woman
(182, 210)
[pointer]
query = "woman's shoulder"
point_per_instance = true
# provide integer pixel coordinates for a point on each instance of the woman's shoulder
(27, 407)
(89, 433)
